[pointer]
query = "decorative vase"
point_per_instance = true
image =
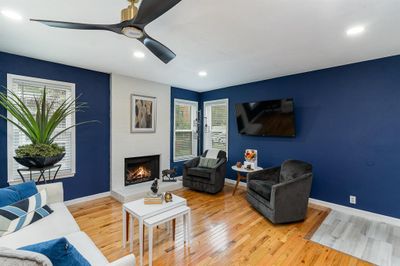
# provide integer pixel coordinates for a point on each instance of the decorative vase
(39, 162)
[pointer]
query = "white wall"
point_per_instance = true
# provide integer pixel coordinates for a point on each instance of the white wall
(125, 144)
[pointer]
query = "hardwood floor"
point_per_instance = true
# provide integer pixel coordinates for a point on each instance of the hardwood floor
(226, 230)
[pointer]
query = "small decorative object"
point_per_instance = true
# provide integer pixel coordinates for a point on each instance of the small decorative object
(239, 164)
(250, 156)
(151, 198)
(248, 167)
(168, 197)
(168, 175)
(143, 114)
(154, 186)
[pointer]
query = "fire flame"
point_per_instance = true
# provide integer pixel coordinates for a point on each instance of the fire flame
(140, 172)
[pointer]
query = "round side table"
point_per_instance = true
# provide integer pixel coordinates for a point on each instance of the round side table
(240, 176)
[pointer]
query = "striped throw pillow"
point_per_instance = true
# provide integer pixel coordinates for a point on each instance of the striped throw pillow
(24, 212)
(207, 162)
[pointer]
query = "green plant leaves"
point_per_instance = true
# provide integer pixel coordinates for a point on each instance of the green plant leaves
(40, 128)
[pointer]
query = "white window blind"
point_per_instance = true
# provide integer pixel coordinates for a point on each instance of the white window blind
(185, 136)
(28, 88)
(216, 125)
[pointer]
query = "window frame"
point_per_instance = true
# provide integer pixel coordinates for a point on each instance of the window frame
(224, 101)
(10, 138)
(195, 141)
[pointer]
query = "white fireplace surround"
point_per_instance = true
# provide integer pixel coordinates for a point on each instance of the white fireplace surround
(125, 144)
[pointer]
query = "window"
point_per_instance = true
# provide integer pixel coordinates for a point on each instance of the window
(185, 130)
(27, 88)
(216, 125)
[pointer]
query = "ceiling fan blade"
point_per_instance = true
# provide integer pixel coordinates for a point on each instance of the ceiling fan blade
(158, 49)
(149, 10)
(80, 26)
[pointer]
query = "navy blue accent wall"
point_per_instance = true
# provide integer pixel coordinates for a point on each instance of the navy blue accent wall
(92, 141)
(348, 126)
(177, 93)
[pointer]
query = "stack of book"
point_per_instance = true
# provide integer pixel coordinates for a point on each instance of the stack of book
(151, 198)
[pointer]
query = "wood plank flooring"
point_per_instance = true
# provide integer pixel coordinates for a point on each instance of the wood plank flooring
(226, 230)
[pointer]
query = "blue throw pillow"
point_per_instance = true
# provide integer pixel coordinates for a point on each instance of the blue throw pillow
(59, 251)
(8, 197)
(25, 190)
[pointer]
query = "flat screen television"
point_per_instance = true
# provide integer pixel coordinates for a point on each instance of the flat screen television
(266, 118)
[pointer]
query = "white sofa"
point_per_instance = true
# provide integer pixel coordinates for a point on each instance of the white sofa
(60, 224)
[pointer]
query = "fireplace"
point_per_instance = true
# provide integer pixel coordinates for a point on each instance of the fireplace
(141, 169)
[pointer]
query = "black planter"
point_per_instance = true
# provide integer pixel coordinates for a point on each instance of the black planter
(39, 162)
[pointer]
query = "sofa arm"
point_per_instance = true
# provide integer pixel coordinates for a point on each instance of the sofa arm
(191, 163)
(265, 174)
(55, 192)
(128, 260)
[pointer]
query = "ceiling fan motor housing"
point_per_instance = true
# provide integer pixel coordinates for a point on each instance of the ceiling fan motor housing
(129, 12)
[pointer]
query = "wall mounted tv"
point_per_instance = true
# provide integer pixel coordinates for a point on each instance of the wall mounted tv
(266, 118)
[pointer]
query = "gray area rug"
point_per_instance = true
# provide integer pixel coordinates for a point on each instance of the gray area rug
(375, 242)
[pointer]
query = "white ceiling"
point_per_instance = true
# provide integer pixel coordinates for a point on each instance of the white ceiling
(234, 41)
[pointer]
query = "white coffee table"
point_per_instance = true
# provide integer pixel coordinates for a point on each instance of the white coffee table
(241, 177)
(137, 209)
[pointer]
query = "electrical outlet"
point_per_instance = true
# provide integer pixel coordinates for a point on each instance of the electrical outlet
(353, 199)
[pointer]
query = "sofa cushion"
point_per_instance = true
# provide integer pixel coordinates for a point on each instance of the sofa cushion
(56, 225)
(200, 172)
(25, 190)
(87, 248)
(23, 213)
(292, 169)
(59, 251)
(262, 187)
(12, 257)
(8, 197)
(207, 162)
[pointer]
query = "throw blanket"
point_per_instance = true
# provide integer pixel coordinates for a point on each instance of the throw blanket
(212, 153)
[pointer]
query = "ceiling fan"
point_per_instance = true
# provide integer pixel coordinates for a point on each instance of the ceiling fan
(133, 22)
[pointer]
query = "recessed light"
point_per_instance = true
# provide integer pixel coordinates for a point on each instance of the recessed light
(11, 14)
(353, 31)
(202, 73)
(138, 54)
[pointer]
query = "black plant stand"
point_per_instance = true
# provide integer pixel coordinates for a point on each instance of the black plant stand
(42, 172)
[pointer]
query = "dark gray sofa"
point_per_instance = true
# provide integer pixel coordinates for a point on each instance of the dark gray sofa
(281, 193)
(210, 180)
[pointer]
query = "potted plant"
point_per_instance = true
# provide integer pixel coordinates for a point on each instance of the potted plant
(39, 126)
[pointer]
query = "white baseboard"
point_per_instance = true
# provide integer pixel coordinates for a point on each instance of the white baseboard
(345, 209)
(87, 198)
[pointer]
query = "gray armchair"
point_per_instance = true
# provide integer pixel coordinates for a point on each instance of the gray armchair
(281, 193)
(210, 180)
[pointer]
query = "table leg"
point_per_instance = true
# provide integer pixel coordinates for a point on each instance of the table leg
(189, 227)
(131, 233)
(124, 228)
(141, 240)
(239, 177)
(150, 246)
(185, 228)
(173, 229)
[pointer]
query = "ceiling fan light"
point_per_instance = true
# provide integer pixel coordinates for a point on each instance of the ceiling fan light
(132, 32)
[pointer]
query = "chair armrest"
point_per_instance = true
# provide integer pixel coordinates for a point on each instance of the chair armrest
(292, 193)
(265, 174)
(192, 163)
(55, 192)
(128, 260)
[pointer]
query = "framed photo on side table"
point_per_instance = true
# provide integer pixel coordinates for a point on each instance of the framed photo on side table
(143, 114)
